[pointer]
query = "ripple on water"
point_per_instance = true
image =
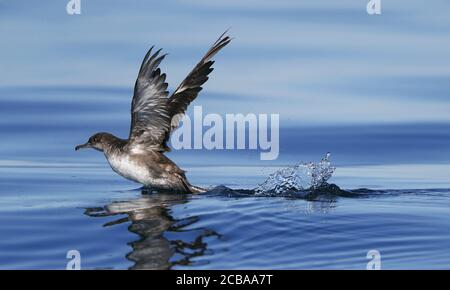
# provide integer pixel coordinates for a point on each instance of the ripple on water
(124, 229)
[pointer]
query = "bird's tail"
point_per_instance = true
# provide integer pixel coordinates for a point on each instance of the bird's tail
(189, 188)
(196, 189)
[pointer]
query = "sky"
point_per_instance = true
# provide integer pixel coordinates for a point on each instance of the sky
(313, 62)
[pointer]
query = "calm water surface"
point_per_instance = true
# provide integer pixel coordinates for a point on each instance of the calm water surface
(320, 64)
(54, 200)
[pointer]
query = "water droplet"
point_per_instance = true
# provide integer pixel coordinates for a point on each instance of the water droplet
(300, 177)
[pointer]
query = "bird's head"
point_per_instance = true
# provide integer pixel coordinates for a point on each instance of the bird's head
(97, 141)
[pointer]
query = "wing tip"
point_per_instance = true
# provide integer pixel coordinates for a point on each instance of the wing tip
(220, 43)
(151, 63)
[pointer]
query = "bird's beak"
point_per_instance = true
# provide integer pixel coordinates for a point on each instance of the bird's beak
(85, 145)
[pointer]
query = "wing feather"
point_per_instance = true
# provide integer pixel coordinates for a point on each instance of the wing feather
(153, 114)
(190, 87)
(150, 119)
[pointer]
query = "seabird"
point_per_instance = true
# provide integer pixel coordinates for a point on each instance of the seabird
(154, 115)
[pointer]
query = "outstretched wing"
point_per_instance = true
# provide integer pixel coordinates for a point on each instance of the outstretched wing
(189, 88)
(153, 115)
(150, 117)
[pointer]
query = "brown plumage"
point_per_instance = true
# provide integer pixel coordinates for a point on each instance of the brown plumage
(154, 116)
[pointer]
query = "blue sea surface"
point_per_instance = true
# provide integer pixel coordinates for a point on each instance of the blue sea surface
(54, 199)
(371, 89)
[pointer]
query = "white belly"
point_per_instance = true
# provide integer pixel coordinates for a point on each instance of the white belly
(129, 169)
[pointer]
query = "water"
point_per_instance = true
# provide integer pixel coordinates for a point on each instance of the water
(367, 89)
(305, 176)
(54, 199)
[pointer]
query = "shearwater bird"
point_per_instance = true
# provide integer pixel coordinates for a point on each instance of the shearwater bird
(154, 115)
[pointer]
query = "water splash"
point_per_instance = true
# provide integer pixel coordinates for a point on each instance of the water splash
(301, 177)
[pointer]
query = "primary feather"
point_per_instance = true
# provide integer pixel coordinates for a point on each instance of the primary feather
(153, 115)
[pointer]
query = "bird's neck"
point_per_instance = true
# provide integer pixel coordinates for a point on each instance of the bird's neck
(114, 145)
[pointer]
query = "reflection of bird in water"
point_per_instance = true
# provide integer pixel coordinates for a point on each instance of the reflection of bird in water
(165, 242)
(154, 116)
(150, 219)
